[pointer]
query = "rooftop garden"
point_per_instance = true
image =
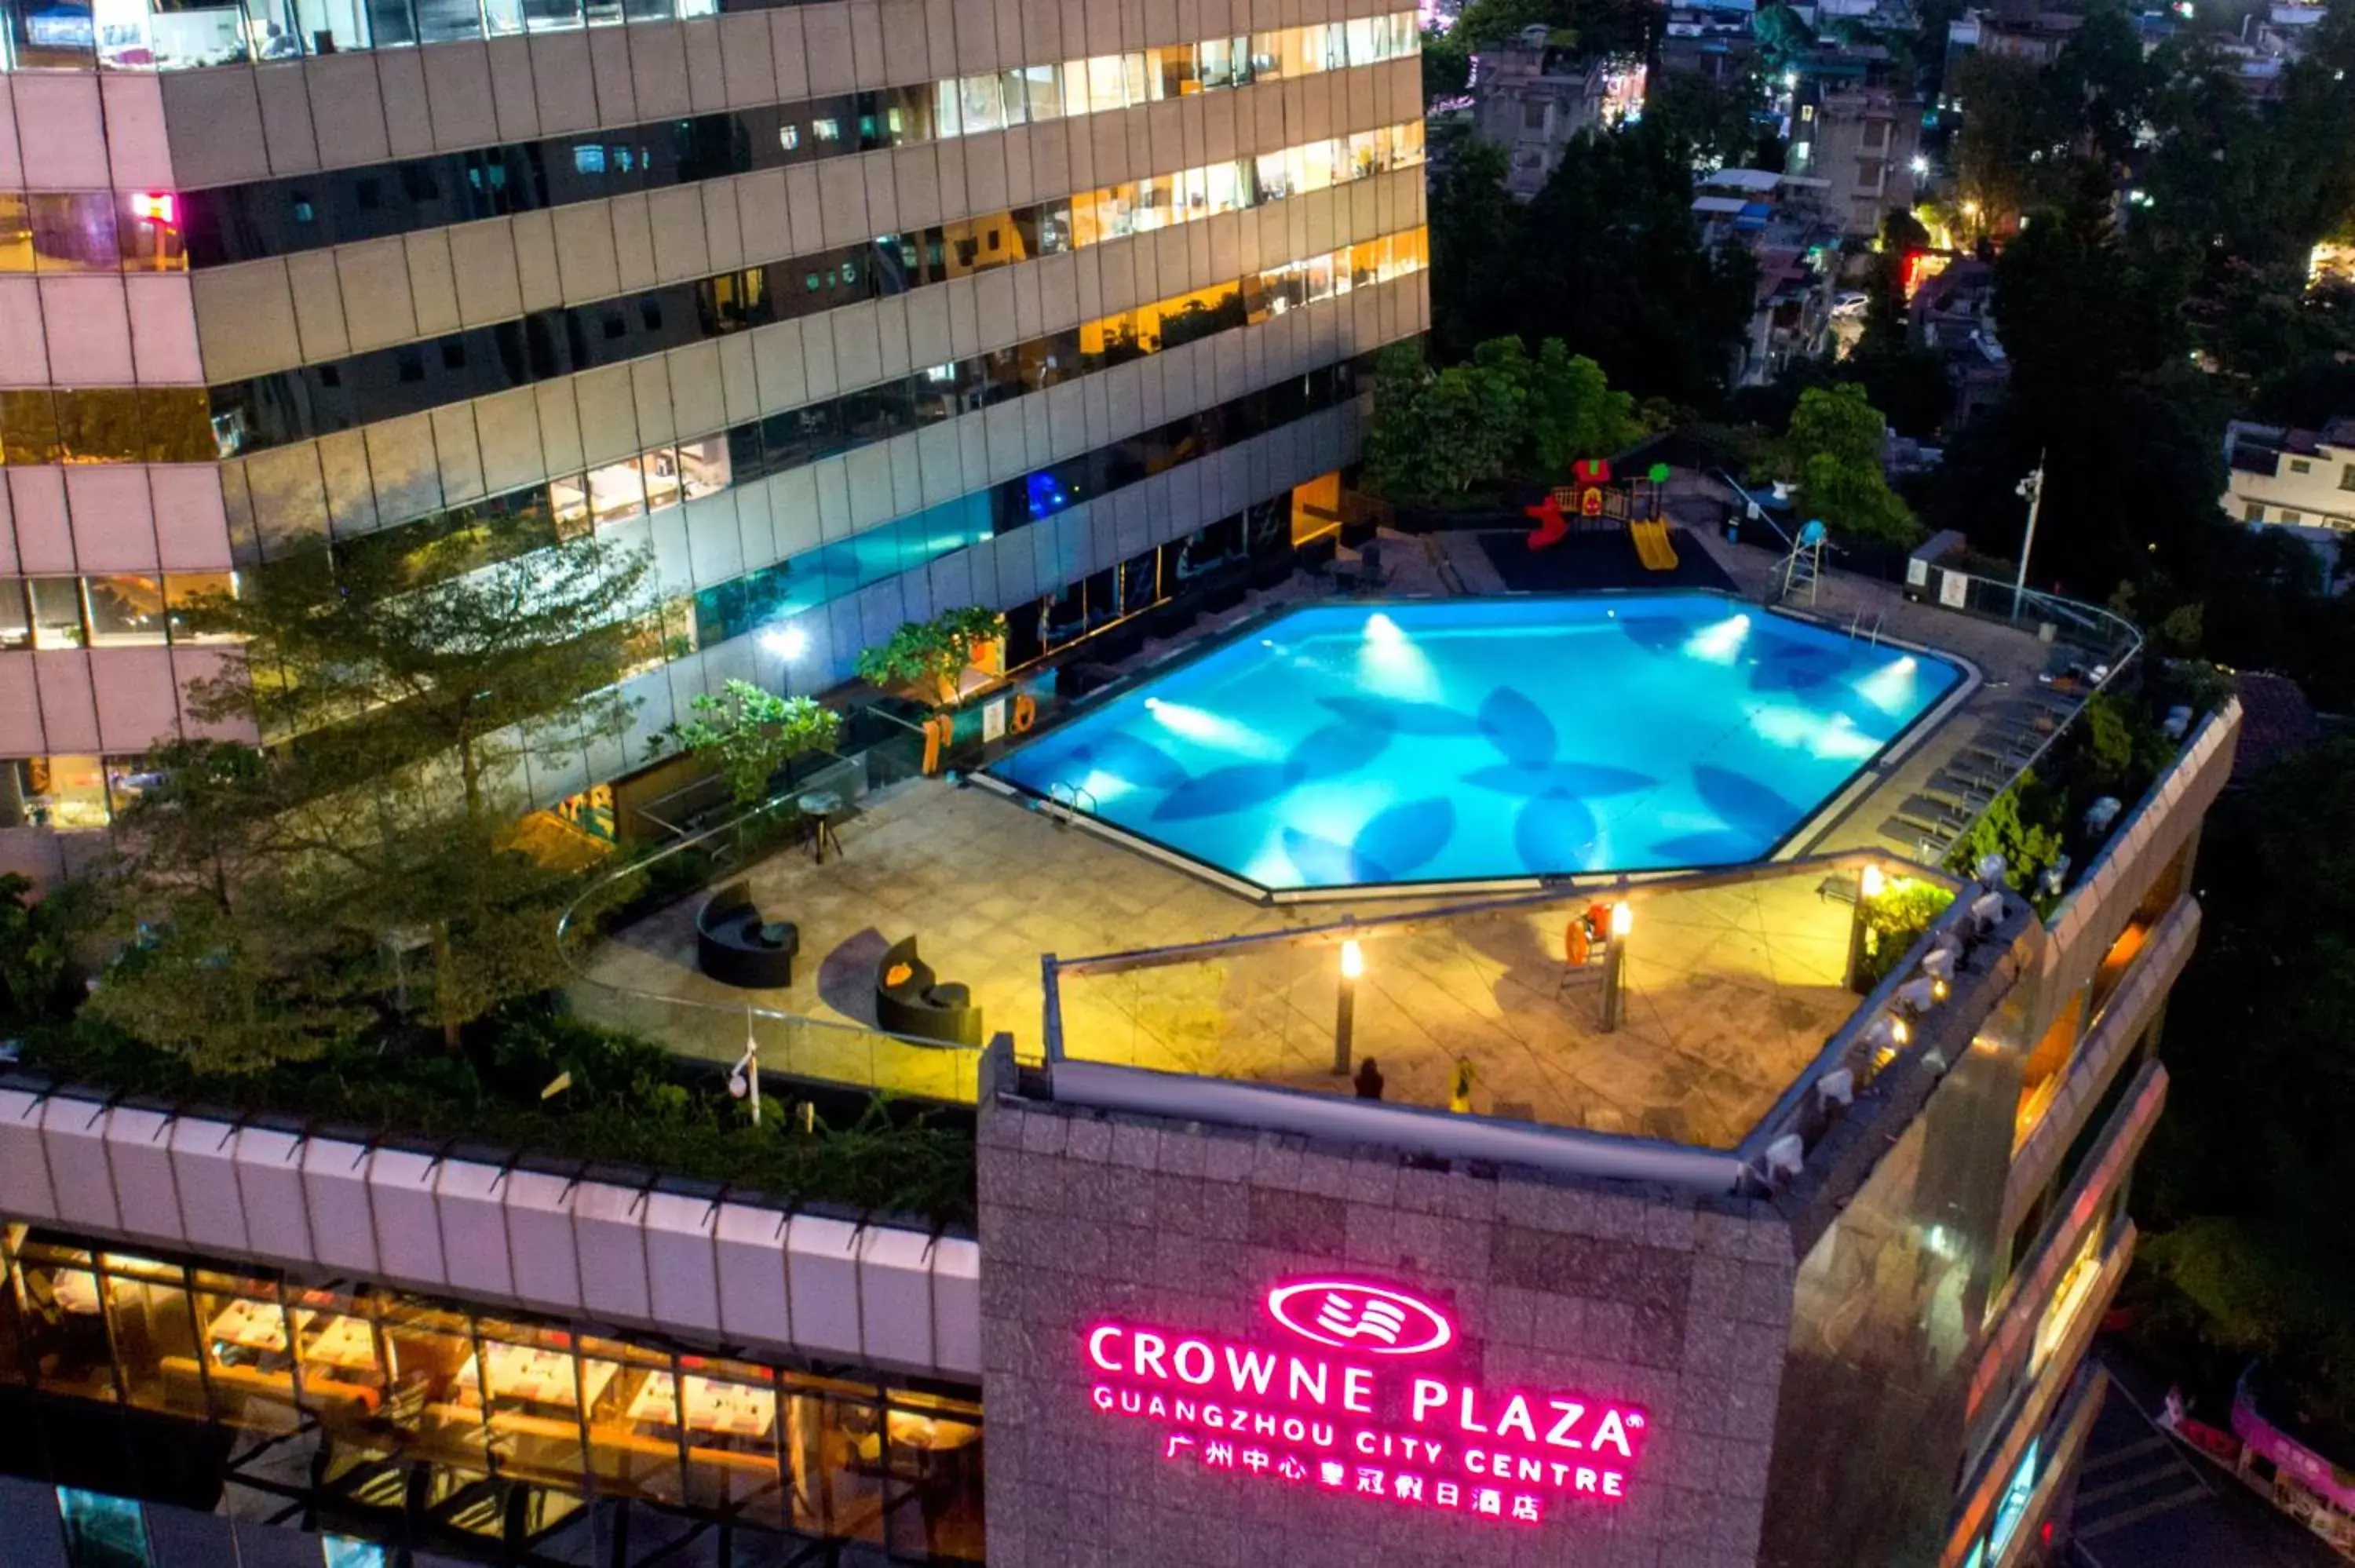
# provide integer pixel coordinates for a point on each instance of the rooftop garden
(529, 1079)
(358, 926)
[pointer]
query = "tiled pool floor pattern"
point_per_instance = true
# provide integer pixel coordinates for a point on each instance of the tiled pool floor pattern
(1731, 989)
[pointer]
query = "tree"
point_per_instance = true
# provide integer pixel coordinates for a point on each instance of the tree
(1437, 434)
(1559, 404)
(276, 890)
(1446, 63)
(2251, 1163)
(1714, 124)
(1475, 233)
(750, 734)
(1837, 439)
(931, 654)
(1906, 383)
(2017, 825)
(1612, 262)
(2014, 140)
(2104, 71)
(1571, 410)
(484, 671)
(36, 968)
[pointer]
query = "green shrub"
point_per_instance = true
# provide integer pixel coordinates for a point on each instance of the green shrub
(628, 1102)
(1894, 919)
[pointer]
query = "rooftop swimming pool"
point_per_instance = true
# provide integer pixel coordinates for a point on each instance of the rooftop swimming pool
(1491, 739)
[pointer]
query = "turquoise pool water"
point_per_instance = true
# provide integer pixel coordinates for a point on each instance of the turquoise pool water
(1475, 739)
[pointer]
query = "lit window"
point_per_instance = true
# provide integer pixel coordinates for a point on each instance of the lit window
(827, 129)
(588, 160)
(789, 136)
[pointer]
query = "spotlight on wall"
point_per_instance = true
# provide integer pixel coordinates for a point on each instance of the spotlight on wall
(787, 642)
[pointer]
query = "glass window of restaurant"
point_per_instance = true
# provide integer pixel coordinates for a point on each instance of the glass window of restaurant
(384, 1377)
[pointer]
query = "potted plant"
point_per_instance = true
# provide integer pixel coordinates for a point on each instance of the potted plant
(920, 656)
(980, 633)
(927, 656)
(751, 733)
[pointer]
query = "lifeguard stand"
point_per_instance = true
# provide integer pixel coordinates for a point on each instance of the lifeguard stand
(1804, 564)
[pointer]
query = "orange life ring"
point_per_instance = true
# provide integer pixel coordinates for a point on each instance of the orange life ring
(938, 732)
(1026, 712)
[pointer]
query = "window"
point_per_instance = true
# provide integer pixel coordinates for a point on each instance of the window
(56, 612)
(183, 591)
(74, 232)
(124, 611)
(1533, 115)
(2254, 512)
(2300, 465)
(2289, 516)
(2346, 477)
(102, 1531)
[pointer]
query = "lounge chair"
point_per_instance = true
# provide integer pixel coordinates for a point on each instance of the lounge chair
(909, 1001)
(736, 947)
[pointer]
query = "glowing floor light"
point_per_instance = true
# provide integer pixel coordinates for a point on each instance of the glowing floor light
(1820, 735)
(1217, 731)
(1390, 664)
(1720, 644)
(1890, 688)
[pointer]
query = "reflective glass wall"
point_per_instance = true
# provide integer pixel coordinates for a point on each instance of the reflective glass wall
(431, 1408)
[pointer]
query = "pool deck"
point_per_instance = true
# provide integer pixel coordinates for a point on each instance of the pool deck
(1730, 990)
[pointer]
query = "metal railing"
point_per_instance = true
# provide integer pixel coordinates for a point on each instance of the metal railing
(794, 1044)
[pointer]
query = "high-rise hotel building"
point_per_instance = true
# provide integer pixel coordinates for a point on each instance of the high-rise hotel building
(848, 312)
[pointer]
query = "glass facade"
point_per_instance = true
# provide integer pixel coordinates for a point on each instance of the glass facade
(343, 393)
(145, 231)
(425, 1407)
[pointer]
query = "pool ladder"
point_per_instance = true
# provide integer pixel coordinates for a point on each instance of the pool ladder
(1068, 796)
(1856, 627)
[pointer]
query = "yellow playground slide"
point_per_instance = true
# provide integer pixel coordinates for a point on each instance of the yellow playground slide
(1652, 547)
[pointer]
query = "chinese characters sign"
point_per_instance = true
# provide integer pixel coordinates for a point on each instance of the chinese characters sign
(1345, 1415)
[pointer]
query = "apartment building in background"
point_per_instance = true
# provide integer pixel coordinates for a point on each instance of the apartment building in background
(1862, 142)
(848, 312)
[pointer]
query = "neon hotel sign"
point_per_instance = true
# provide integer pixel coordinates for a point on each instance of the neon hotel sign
(1368, 1408)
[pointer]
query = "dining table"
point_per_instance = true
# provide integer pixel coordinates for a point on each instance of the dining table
(706, 1405)
(538, 1375)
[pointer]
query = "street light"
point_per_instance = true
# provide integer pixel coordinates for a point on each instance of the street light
(1345, 1008)
(2032, 488)
(744, 1077)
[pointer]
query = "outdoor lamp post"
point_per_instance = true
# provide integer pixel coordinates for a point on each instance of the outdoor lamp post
(744, 1077)
(2032, 489)
(1345, 1007)
(1614, 964)
(1869, 883)
(788, 644)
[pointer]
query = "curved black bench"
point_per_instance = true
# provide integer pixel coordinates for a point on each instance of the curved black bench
(735, 947)
(920, 1007)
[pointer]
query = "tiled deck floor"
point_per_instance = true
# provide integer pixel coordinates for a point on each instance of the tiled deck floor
(1730, 990)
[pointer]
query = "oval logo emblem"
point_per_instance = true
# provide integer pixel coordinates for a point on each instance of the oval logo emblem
(1349, 1315)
